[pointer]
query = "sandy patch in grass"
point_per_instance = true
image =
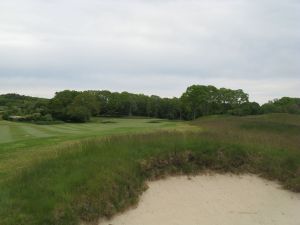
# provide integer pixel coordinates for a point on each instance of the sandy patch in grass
(213, 200)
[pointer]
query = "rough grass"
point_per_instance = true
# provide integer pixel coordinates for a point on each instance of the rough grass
(100, 177)
(270, 130)
(272, 127)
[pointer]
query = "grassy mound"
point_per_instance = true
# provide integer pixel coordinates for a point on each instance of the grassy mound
(101, 178)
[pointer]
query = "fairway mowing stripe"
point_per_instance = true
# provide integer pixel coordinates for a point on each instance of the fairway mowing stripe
(18, 133)
(78, 128)
(99, 127)
(75, 126)
(5, 134)
(59, 130)
(44, 129)
(64, 127)
(34, 132)
(50, 129)
(87, 126)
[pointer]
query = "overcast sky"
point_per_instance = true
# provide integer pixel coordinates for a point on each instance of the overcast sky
(150, 46)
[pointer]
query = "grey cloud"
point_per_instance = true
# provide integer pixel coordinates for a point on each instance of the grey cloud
(150, 46)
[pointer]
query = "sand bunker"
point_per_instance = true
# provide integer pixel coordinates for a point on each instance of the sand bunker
(213, 200)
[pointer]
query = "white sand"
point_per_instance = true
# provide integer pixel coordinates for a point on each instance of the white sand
(213, 200)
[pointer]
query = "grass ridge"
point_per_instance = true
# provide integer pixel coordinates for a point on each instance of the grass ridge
(98, 178)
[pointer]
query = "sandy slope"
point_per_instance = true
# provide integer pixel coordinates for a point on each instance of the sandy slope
(213, 200)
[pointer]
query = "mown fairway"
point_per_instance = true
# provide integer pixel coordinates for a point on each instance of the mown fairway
(100, 168)
(22, 143)
(14, 134)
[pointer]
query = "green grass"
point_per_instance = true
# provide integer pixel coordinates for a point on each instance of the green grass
(270, 130)
(22, 143)
(97, 177)
(5, 134)
(26, 132)
(272, 127)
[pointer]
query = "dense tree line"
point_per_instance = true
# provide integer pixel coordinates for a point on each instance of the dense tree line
(196, 101)
(283, 105)
(80, 106)
(25, 108)
(199, 100)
